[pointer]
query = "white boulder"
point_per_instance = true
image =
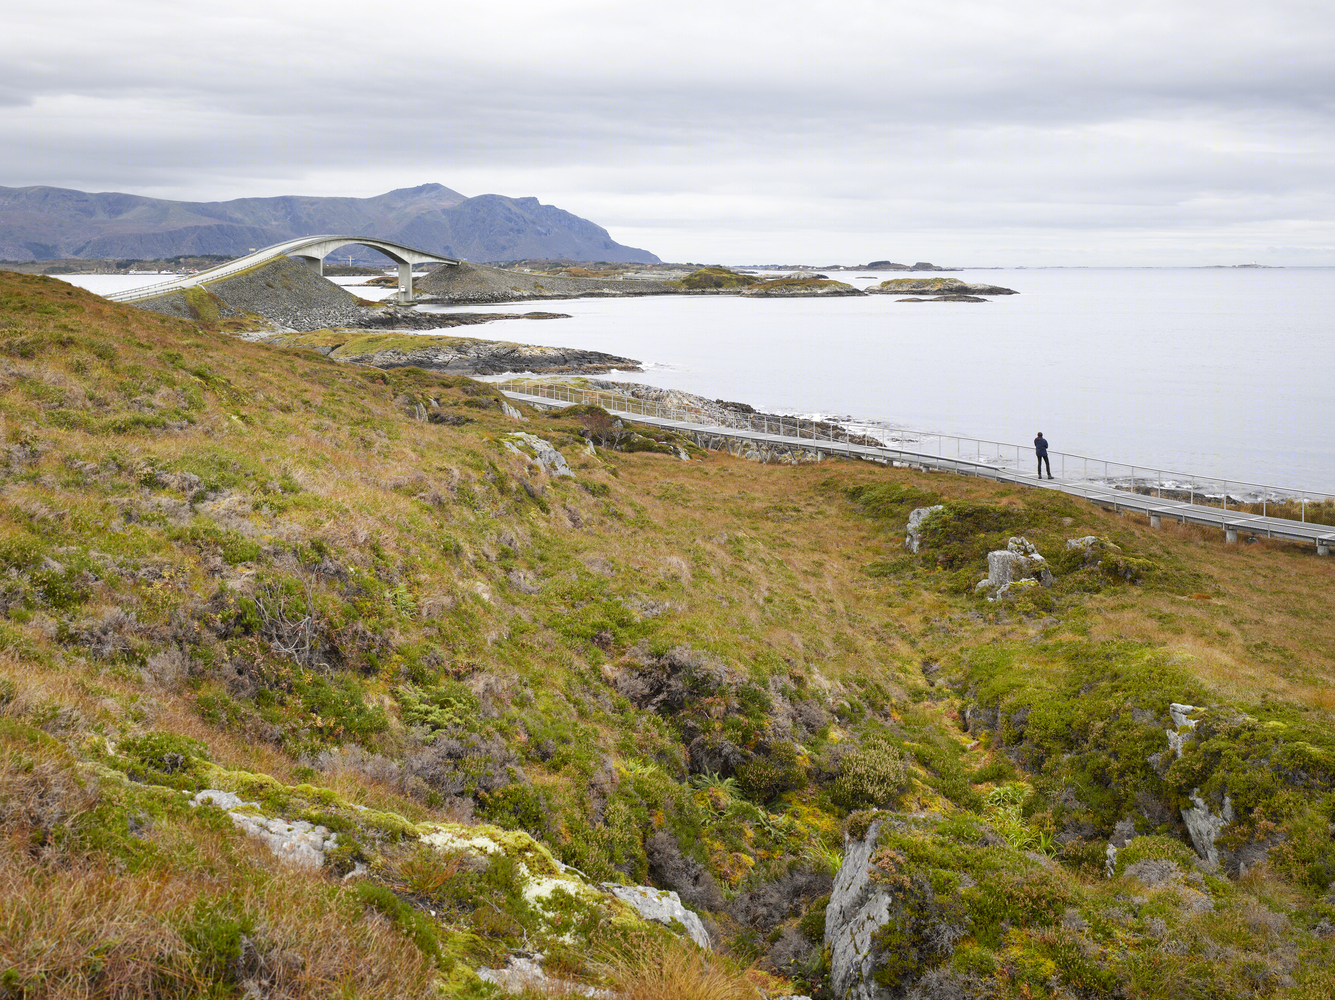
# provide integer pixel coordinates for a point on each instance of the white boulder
(1017, 564)
(662, 907)
(538, 451)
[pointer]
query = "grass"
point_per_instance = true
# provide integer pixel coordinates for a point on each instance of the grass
(265, 551)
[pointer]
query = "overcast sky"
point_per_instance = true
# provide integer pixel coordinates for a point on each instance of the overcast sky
(964, 133)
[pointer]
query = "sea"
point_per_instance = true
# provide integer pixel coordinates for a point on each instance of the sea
(1227, 373)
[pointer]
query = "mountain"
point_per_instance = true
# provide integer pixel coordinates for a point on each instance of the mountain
(41, 223)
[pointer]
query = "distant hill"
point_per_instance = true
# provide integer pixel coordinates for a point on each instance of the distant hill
(44, 223)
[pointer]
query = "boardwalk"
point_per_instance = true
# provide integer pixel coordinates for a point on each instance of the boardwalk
(1232, 523)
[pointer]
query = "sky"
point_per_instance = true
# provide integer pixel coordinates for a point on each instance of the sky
(1044, 133)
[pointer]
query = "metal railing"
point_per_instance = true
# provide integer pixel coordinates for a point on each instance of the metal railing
(857, 436)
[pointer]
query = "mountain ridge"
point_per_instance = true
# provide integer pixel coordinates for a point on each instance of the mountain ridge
(39, 222)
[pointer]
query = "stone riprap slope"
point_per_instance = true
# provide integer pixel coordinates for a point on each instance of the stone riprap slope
(286, 293)
(479, 283)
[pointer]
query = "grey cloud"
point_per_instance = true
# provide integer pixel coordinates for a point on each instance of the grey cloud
(706, 123)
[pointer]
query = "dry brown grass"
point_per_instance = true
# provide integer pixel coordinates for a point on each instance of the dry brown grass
(674, 970)
(79, 930)
(84, 932)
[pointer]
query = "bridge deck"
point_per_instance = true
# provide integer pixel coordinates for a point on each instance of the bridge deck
(1320, 535)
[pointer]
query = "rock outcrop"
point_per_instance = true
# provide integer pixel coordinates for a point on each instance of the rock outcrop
(1109, 559)
(538, 451)
(524, 974)
(936, 286)
(798, 286)
(662, 907)
(296, 841)
(461, 355)
(913, 538)
(478, 283)
(858, 908)
(1019, 563)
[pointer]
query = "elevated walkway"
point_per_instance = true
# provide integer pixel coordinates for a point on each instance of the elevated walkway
(793, 434)
(312, 249)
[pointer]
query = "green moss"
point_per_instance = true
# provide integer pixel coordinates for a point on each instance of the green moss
(202, 305)
(1158, 848)
(812, 923)
(160, 754)
(413, 924)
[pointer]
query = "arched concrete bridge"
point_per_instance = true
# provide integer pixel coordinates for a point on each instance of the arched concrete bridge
(312, 249)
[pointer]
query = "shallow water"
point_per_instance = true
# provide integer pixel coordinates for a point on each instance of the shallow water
(1220, 372)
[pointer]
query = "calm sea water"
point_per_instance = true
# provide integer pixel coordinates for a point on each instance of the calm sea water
(1220, 372)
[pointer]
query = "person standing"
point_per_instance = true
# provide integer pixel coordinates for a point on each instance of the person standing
(1041, 450)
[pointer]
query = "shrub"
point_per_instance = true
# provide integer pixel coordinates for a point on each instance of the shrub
(765, 778)
(872, 775)
(447, 705)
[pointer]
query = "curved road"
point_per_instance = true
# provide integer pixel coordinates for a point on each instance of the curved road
(316, 247)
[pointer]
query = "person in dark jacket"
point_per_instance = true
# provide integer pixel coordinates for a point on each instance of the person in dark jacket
(1041, 450)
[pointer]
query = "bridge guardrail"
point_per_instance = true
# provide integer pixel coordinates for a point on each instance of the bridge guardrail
(1164, 484)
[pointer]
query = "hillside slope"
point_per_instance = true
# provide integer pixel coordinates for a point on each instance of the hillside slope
(37, 223)
(315, 679)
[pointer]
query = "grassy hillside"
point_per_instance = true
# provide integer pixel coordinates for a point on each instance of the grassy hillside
(354, 599)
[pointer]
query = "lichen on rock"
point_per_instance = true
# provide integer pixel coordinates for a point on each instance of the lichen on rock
(1016, 566)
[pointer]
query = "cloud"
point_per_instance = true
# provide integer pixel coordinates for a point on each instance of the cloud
(784, 131)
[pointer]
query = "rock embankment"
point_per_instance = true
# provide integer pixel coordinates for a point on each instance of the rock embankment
(478, 283)
(286, 293)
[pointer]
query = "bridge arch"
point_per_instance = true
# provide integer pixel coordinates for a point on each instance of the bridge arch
(315, 249)
(312, 249)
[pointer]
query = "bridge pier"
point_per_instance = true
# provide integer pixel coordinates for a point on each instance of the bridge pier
(317, 263)
(405, 281)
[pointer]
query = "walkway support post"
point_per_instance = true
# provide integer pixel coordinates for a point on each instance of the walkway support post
(1323, 546)
(1154, 520)
(1231, 535)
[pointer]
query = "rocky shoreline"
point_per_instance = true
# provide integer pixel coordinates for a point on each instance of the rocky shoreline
(456, 355)
(727, 413)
